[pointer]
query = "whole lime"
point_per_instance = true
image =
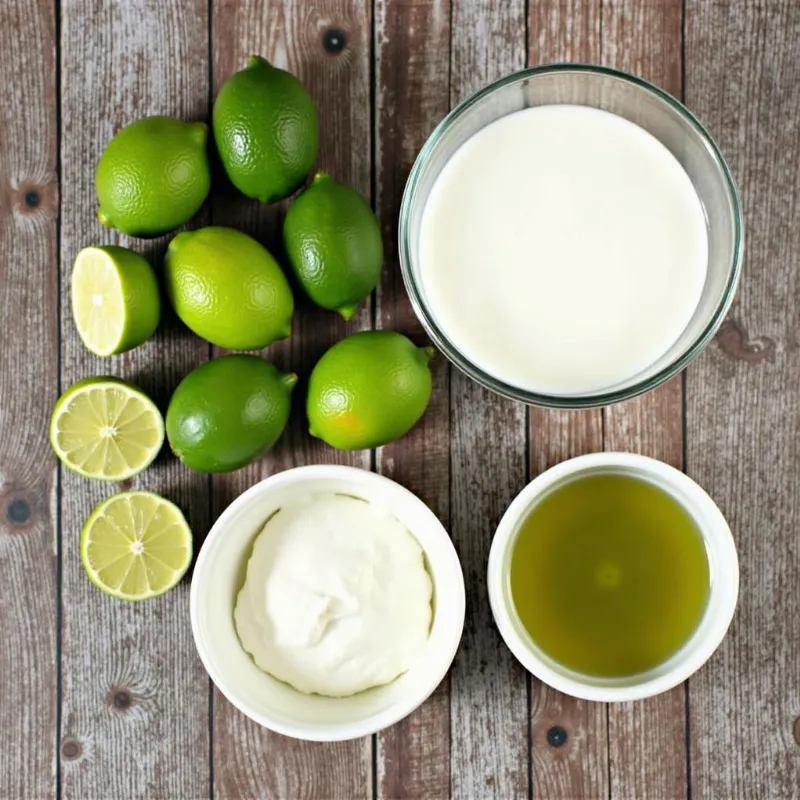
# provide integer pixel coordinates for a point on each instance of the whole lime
(153, 176)
(368, 390)
(227, 288)
(333, 243)
(228, 412)
(266, 129)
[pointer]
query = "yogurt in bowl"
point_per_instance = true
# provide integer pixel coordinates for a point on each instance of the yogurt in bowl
(337, 598)
(322, 619)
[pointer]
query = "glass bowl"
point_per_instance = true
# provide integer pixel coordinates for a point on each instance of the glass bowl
(650, 108)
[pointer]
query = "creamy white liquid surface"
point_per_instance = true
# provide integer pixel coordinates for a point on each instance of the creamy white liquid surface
(563, 249)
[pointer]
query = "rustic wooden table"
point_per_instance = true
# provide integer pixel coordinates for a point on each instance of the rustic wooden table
(102, 700)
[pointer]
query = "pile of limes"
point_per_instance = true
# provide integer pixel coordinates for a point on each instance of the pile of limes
(367, 390)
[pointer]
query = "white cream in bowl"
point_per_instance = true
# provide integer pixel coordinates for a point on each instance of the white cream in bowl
(220, 573)
(337, 599)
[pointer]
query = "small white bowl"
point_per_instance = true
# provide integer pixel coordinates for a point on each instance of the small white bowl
(723, 593)
(219, 574)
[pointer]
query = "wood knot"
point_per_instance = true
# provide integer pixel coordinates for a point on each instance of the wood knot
(71, 749)
(119, 697)
(19, 506)
(126, 485)
(557, 736)
(735, 342)
(18, 512)
(34, 198)
(797, 730)
(334, 41)
(489, 780)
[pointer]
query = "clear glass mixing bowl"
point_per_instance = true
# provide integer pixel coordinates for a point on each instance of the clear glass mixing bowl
(633, 99)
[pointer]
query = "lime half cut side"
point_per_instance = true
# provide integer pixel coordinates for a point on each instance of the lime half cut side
(116, 303)
(106, 428)
(136, 545)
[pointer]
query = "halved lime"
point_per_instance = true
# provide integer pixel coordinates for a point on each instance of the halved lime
(106, 428)
(116, 304)
(136, 545)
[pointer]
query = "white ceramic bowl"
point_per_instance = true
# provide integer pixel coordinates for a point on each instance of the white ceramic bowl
(219, 574)
(723, 564)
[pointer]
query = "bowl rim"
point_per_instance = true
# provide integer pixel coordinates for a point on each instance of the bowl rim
(696, 650)
(541, 399)
(401, 708)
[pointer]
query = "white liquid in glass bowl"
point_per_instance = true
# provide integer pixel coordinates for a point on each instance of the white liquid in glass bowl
(563, 249)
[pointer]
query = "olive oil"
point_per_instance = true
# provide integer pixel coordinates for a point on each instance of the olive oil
(609, 575)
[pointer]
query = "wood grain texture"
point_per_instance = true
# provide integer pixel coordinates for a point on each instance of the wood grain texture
(647, 740)
(743, 80)
(28, 389)
(578, 767)
(489, 697)
(570, 746)
(249, 761)
(134, 717)
(565, 31)
(412, 93)
(135, 696)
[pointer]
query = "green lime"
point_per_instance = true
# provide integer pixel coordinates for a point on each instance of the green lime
(228, 289)
(368, 390)
(106, 428)
(136, 545)
(153, 176)
(267, 131)
(116, 304)
(334, 245)
(228, 412)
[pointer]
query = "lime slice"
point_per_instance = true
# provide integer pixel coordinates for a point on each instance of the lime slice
(106, 428)
(136, 545)
(115, 299)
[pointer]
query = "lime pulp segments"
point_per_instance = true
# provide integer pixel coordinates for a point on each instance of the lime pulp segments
(136, 545)
(116, 303)
(106, 428)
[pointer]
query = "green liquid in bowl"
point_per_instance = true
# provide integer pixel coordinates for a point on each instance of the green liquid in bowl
(609, 575)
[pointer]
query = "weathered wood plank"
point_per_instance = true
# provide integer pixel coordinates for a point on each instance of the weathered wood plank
(328, 48)
(135, 696)
(489, 704)
(575, 767)
(570, 746)
(647, 739)
(578, 767)
(412, 93)
(568, 30)
(743, 80)
(28, 389)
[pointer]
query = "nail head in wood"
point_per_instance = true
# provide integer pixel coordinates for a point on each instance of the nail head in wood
(32, 198)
